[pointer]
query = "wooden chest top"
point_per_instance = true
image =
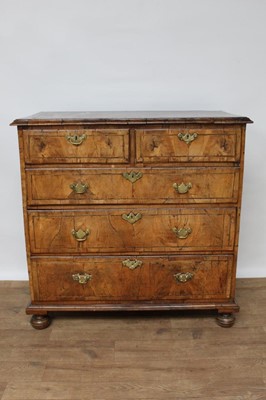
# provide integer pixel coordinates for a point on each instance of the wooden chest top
(107, 117)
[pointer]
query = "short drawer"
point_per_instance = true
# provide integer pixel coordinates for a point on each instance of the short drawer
(105, 279)
(76, 146)
(132, 230)
(142, 185)
(183, 144)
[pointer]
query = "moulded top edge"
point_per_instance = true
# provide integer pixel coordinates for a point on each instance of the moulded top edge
(131, 117)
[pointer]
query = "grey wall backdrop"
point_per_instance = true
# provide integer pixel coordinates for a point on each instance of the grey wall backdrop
(133, 55)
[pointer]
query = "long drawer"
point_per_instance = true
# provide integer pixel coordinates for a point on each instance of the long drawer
(126, 230)
(104, 279)
(142, 185)
(188, 144)
(76, 146)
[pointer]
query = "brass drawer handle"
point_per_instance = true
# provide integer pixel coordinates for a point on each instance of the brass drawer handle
(182, 233)
(76, 140)
(82, 278)
(187, 137)
(131, 217)
(132, 176)
(79, 187)
(132, 264)
(182, 187)
(183, 277)
(80, 235)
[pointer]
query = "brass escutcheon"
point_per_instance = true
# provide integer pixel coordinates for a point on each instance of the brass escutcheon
(132, 176)
(82, 278)
(79, 187)
(132, 264)
(131, 217)
(182, 187)
(182, 233)
(76, 140)
(80, 235)
(187, 137)
(183, 277)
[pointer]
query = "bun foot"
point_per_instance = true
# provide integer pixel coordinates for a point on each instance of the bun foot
(40, 321)
(225, 320)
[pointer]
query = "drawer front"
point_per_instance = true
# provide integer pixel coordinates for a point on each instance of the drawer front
(137, 230)
(218, 144)
(76, 146)
(135, 278)
(114, 186)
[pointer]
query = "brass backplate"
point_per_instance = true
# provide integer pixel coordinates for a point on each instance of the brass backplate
(131, 217)
(187, 137)
(82, 278)
(182, 233)
(132, 176)
(132, 264)
(76, 140)
(182, 188)
(80, 235)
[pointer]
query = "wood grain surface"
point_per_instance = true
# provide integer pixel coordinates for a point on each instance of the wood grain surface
(212, 143)
(102, 146)
(48, 186)
(154, 279)
(140, 356)
(212, 229)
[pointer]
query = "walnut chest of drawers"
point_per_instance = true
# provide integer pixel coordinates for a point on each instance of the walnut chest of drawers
(131, 211)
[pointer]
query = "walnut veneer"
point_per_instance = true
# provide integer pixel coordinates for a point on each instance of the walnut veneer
(132, 211)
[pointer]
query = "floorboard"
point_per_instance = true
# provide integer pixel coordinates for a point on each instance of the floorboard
(140, 356)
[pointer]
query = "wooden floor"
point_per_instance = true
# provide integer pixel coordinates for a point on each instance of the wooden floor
(169, 356)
